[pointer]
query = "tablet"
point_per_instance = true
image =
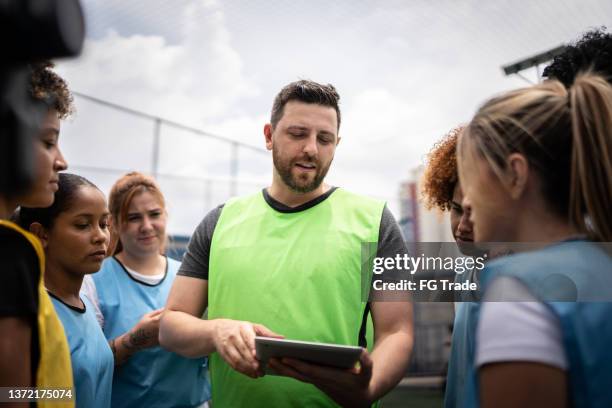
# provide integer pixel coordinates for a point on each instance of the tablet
(326, 354)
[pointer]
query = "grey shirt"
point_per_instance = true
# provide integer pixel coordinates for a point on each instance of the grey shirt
(195, 261)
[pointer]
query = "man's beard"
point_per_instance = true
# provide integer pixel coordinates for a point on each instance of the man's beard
(284, 167)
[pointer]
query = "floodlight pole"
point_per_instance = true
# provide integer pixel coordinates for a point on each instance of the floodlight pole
(531, 62)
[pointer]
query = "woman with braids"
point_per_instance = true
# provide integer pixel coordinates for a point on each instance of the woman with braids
(74, 233)
(441, 190)
(535, 165)
(33, 348)
(132, 288)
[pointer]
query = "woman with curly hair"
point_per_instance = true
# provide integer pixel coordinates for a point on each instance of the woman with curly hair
(33, 350)
(441, 190)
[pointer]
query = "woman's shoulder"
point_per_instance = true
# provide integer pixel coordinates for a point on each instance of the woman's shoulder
(173, 265)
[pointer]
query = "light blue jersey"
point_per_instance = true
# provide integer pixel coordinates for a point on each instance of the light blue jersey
(153, 377)
(462, 341)
(91, 356)
(579, 272)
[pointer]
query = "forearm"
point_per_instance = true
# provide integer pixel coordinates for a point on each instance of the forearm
(187, 335)
(390, 357)
(123, 347)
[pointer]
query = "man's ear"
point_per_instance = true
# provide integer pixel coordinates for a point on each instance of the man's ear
(268, 135)
(37, 229)
(338, 140)
(518, 174)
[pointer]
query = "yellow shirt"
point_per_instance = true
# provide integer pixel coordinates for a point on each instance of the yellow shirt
(54, 368)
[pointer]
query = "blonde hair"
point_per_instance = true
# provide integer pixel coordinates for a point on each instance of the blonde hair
(121, 195)
(566, 136)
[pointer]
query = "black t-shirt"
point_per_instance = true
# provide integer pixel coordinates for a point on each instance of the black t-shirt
(19, 277)
(195, 262)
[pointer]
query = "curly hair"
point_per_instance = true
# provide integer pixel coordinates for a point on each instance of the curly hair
(46, 85)
(593, 51)
(441, 175)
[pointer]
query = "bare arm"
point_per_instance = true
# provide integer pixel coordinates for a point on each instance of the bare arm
(379, 372)
(15, 358)
(393, 341)
(183, 331)
(143, 335)
(522, 384)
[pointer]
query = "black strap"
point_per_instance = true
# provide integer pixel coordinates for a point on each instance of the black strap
(363, 342)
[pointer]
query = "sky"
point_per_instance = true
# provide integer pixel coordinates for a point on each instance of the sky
(407, 72)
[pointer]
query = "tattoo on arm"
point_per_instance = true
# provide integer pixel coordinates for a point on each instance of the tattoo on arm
(134, 341)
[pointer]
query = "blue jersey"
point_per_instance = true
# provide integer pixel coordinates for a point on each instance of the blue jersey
(580, 273)
(462, 353)
(153, 377)
(462, 342)
(91, 357)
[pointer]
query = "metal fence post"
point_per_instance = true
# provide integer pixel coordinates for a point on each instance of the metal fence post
(234, 170)
(156, 136)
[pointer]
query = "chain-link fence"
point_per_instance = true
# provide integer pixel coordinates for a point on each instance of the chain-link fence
(196, 170)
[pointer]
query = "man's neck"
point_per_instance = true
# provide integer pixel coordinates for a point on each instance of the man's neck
(284, 195)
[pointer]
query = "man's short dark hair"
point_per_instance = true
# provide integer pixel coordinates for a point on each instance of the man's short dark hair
(308, 92)
(592, 51)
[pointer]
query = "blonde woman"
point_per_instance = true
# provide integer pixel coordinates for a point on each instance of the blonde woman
(132, 288)
(536, 168)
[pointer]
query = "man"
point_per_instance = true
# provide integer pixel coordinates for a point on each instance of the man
(286, 262)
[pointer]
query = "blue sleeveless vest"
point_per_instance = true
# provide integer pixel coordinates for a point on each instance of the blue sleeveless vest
(579, 270)
(91, 357)
(152, 377)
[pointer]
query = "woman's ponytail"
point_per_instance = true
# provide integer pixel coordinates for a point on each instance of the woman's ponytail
(590, 99)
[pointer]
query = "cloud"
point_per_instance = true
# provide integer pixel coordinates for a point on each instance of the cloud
(407, 73)
(197, 81)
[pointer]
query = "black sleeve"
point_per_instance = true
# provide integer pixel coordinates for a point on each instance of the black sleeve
(390, 239)
(390, 243)
(19, 275)
(195, 261)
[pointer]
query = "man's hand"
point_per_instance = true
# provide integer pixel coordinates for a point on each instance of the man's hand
(347, 387)
(235, 341)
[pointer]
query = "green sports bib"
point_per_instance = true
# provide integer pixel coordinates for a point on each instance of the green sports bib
(299, 274)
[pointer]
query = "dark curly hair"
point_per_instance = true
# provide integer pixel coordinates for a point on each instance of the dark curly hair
(592, 51)
(441, 173)
(46, 85)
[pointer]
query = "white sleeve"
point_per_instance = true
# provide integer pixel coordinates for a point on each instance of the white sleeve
(88, 288)
(518, 330)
